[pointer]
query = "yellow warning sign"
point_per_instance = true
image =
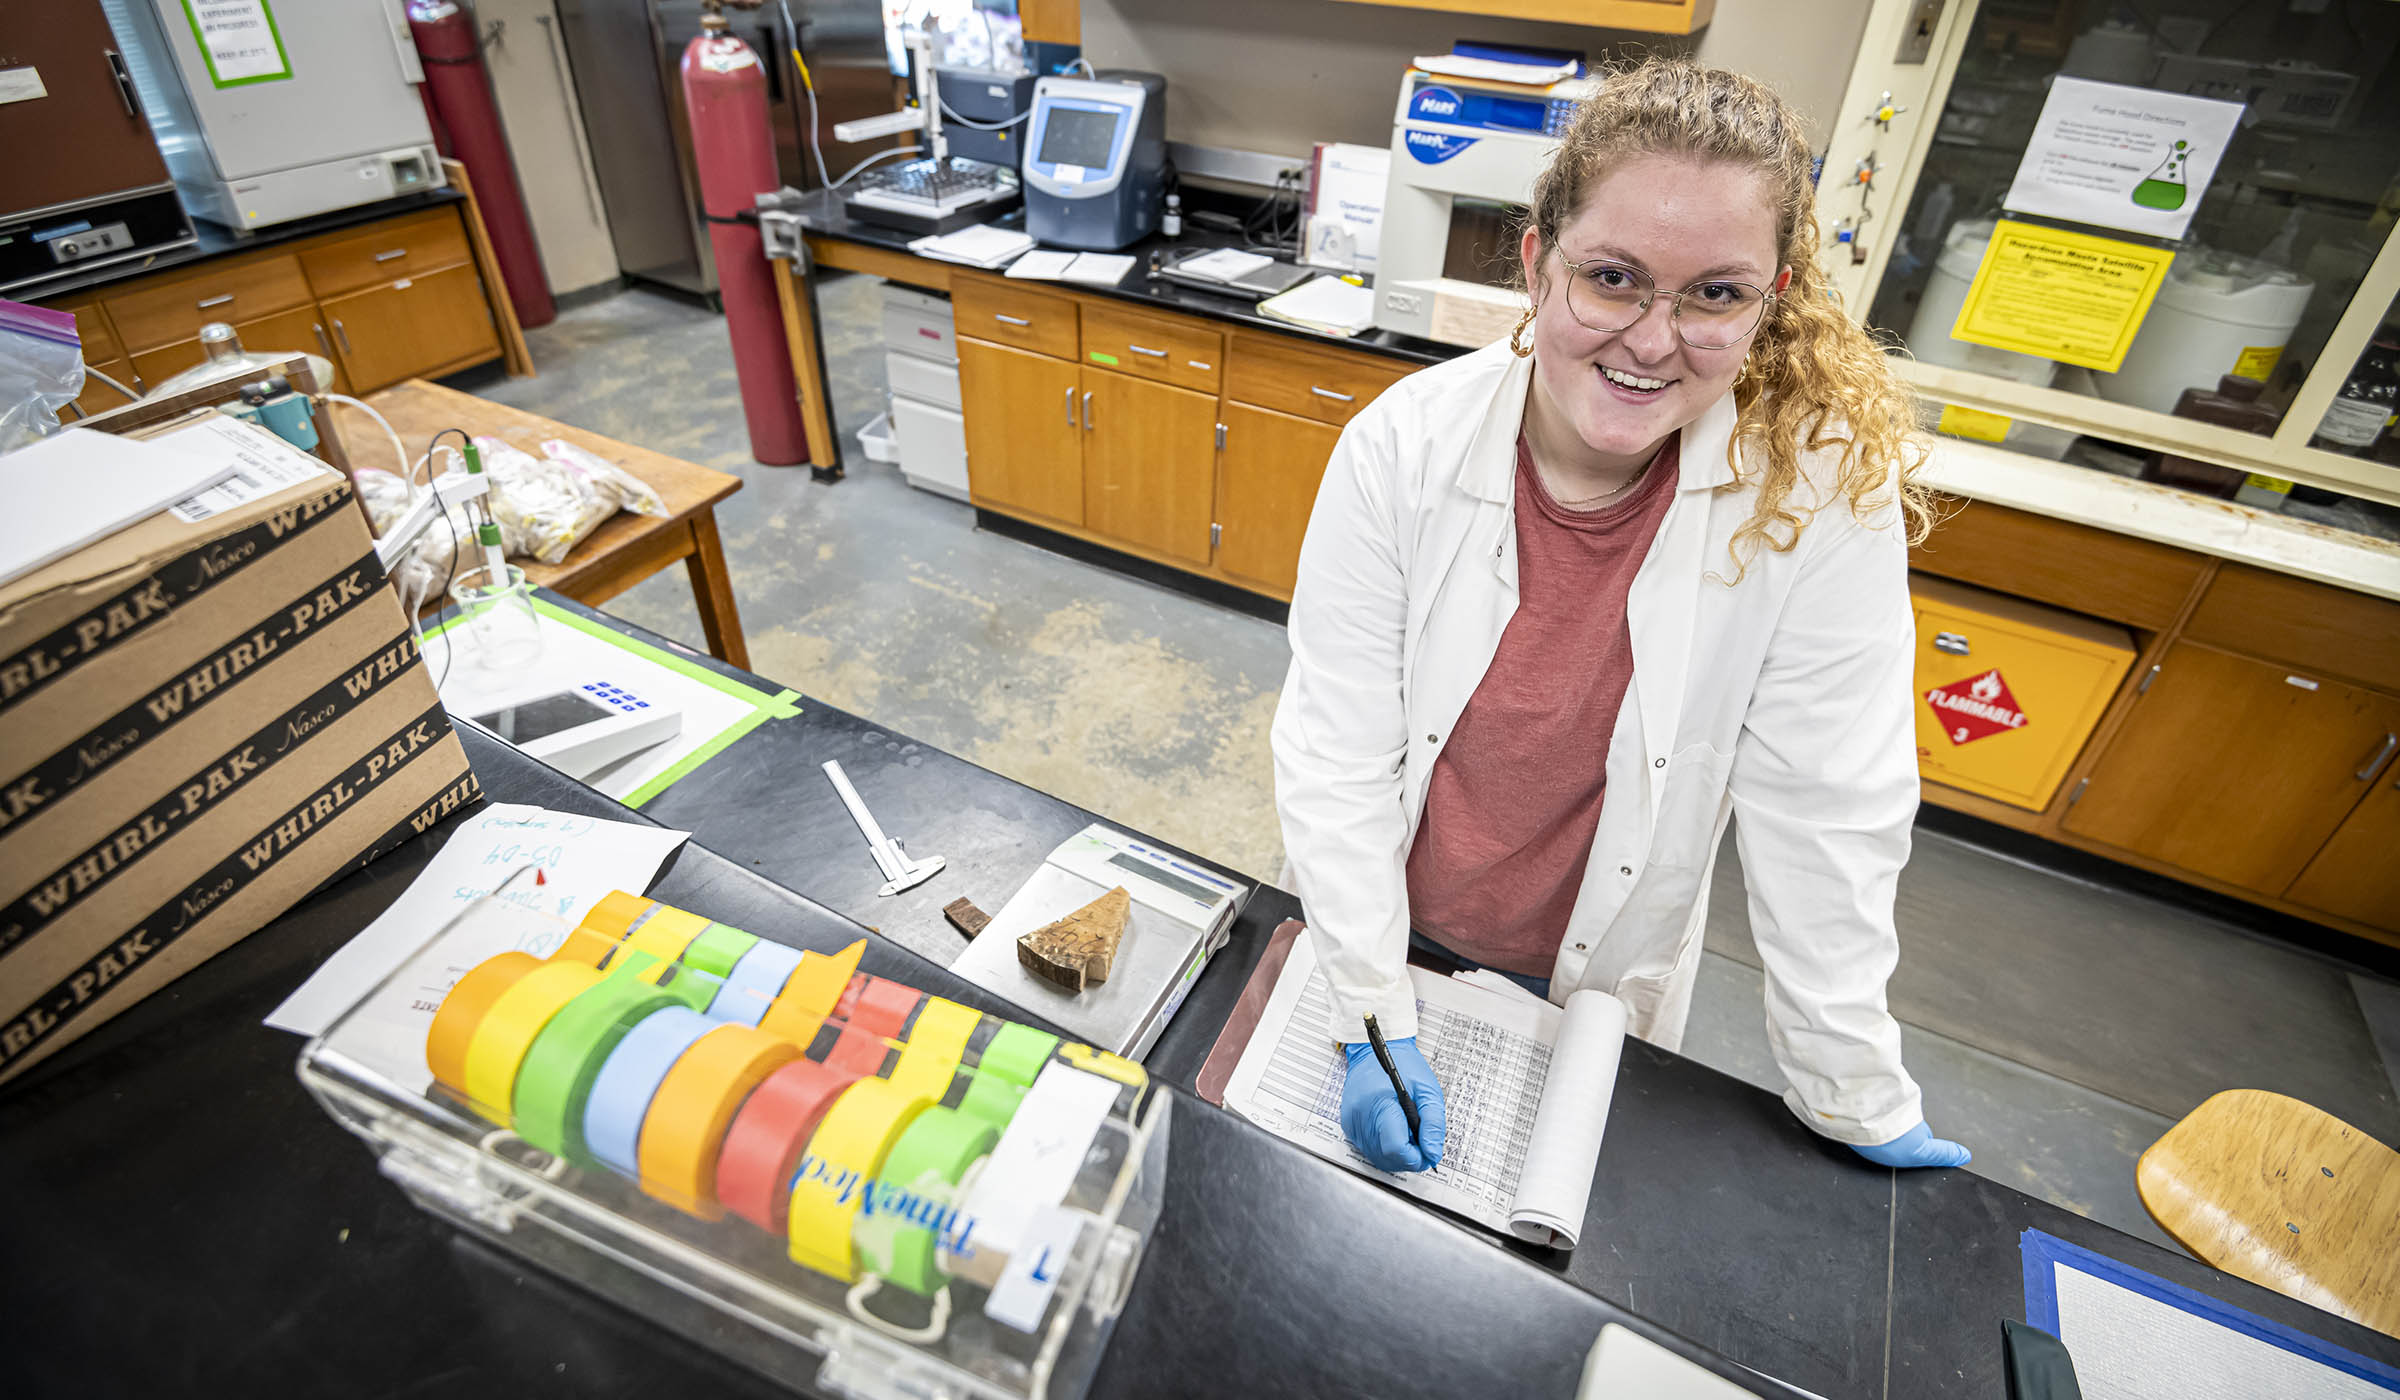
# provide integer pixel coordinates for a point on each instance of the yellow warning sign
(1974, 423)
(2064, 296)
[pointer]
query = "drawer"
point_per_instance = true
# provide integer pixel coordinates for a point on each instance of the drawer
(917, 324)
(2006, 691)
(409, 247)
(925, 381)
(1296, 377)
(2307, 626)
(2076, 567)
(285, 333)
(933, 447)
(1003, 312)
(160, 313)
(1172, 351)
(91, 327)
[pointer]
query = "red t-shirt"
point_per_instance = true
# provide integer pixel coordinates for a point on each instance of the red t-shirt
(1515, 796)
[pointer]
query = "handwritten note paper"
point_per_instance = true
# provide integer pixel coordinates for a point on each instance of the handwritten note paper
(580, 859)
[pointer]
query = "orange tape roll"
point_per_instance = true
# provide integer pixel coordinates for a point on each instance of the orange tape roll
(462, 1011)
(809, 993)
(694, 1106)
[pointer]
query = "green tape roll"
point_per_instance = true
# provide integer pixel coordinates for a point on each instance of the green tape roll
(717, 949)
(1017, 1054)
(556, 1076)
(897, 1235)
(992, 1099)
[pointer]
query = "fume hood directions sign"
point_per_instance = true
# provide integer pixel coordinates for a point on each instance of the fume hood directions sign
(238, 41)
(2122, 157)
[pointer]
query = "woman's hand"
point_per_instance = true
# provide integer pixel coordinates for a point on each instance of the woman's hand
(1917, 1147)
(1371, 1116)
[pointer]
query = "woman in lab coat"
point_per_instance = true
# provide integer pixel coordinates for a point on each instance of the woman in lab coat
(1570, 603)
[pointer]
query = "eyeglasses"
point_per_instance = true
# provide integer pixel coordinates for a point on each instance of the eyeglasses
(1610, 296)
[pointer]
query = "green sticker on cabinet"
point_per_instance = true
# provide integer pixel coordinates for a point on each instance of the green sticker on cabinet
(1101, 359)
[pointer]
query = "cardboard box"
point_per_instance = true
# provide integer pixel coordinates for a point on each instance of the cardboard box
(202, 720)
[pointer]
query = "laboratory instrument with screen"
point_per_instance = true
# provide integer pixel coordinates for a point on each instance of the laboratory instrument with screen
(1096, 159)
(1464, 154)
(580, 730)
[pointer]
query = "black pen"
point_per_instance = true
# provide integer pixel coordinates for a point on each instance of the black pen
(1383, 1056)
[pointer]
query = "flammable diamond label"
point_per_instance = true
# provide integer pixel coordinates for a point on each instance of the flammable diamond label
(1975, 708)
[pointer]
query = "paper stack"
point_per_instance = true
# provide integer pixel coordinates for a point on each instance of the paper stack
(1328, 304)
(979, 245)
(1095, 269)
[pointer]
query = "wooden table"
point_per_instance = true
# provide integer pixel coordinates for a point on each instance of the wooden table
(627, 548)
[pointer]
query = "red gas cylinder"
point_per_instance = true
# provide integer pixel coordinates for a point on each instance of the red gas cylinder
(466, 124)
(725, 90)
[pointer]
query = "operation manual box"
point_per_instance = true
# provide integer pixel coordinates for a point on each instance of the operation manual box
(203, 717)
(811, 1170)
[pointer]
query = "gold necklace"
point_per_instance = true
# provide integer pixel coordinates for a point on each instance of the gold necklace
(1606, 496)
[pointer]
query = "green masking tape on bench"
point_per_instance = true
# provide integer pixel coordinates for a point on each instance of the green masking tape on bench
(898, 1235)
(556, 1077)
(1007, 1068)
(717, 949)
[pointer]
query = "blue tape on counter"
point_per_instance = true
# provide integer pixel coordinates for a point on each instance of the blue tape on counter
(2042, 1253)
(612, 1116)
(756, 980)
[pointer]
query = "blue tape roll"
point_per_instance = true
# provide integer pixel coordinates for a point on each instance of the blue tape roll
(620, 1098)
(756, 980)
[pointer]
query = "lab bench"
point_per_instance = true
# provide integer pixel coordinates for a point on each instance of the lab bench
(402, 289)
(175, 1146)
(1181, 435)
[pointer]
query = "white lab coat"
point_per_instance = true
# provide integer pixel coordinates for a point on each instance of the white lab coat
(1781, 702)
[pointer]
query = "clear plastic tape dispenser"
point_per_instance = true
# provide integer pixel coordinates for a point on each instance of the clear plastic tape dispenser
(707, 1126)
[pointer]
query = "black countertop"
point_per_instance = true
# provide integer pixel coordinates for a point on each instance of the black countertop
(216, 240)
(822, 215)
(1716, 1213)
(184, 1220)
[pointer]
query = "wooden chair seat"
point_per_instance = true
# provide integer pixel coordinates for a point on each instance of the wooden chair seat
(2285, 1195)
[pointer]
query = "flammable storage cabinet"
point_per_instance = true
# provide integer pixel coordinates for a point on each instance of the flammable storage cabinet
(800, 1166)
(2007, 691)
(2150, 237)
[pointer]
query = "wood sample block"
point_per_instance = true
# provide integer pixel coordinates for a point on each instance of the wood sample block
(965, 917)
(1076, 951)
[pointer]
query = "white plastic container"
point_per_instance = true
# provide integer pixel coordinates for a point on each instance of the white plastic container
(875, 439)
(1946, 294)
(2216, 314)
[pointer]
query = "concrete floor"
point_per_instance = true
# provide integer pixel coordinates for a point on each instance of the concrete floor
(2057, 1027)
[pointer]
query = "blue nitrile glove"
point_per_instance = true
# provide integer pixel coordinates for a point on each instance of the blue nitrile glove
(1371, 1116)
(1917, 1147)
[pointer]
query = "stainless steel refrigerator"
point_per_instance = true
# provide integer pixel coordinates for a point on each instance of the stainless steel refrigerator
(627, 54)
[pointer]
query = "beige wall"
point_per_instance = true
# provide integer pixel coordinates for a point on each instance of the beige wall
(1279, 75)
(545, 137)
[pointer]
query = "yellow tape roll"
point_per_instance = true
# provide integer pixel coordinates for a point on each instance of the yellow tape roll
(935, 1044)
(507, 1031)
(462, 1010)
(809, 993)
(839, 1169)
(694, 1105)
(667, 932)
(603, 927)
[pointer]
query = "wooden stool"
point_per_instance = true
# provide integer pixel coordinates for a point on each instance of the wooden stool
(2284, 1195)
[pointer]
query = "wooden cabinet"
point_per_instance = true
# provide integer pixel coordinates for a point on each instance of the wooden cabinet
(285, 332)
(1024, 431)
(1149, 463)
(415, 326)
(2236, 769)
(98, 397)
(1011, 313)
(1272, 465)
(1310, 381)
(2357, 875)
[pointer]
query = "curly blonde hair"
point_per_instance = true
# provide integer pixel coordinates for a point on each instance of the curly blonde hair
(1815, 379)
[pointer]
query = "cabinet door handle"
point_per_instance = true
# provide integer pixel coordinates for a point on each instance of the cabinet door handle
(125, 94)
(206, 302)
(1322, 392)
(1011, 320)
(2367, 772)
(1951, 642)
(1146, 350)
(1087, 410)
(344, 334)
(1071, 407)
(322, 343)
(394, 253)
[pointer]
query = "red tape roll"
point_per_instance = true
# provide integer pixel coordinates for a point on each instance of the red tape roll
(763, 1147)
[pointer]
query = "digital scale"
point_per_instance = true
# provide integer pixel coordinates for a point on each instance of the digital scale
(583, 729)
(1182, 914)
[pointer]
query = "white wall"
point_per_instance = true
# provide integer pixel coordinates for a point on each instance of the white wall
(1279, 75)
